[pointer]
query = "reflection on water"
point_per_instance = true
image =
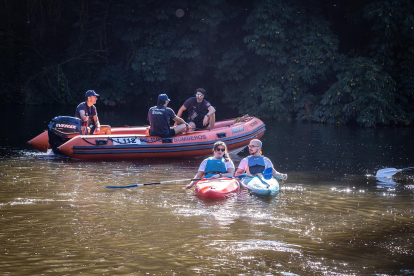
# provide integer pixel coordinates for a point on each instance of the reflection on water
(332, 216)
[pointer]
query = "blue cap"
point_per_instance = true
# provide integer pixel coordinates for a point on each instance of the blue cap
(163, 97)
(91, 93)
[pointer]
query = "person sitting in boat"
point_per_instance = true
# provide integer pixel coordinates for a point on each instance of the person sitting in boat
(86, 111)
(219, 165)
(256, 163)
(159, 117)
(200, 112)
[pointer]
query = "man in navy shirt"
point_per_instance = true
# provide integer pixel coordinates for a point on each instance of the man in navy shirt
(200, 112)
(159, 117)
(86, 111)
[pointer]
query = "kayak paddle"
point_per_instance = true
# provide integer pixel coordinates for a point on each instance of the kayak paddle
(388, 172)
(267, 174)
(153, 183)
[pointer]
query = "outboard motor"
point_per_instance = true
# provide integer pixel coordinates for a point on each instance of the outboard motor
(61, 129)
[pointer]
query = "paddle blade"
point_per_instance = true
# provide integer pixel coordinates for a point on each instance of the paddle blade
(128, 186)
(267, 174)
(387, 172)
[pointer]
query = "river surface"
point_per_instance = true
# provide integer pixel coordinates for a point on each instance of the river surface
(331, 217)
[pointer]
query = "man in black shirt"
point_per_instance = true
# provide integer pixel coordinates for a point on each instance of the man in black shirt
(159, 117)
(200, 112)
(86, 111)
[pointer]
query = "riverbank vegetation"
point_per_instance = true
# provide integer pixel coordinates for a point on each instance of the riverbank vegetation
(314, 60)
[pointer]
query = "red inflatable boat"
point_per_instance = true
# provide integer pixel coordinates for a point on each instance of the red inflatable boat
(135, 143)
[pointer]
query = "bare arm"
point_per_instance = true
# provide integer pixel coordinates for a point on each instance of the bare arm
(96, 120)
(181, 110)
(97, 124)
(82, 115)
(278, 174)
(199, 174)
(179, 120)
(211, 110)
(229, 174)
(239, 171)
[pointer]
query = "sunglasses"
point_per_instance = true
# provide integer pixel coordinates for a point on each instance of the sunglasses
(252, 146)
(199, 95)
(218, 149)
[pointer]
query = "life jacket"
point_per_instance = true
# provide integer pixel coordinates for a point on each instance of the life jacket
(88, 114)
(256, 164)
(215, 166)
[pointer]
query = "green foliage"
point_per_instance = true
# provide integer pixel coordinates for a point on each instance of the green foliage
(363, 93)
(272, 58)
(289, 47)
(377, 89)
(166, 52)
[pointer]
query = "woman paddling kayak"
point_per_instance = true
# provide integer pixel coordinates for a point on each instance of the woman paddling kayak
(218, 166)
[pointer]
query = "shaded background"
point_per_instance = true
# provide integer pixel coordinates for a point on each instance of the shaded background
(322, 61)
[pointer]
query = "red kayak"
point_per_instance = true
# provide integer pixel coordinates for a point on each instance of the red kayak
(216, 188)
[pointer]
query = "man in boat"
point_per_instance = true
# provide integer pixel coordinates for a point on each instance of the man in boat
(159, 117)
(256, 163)
(86, 111)
(200, 112)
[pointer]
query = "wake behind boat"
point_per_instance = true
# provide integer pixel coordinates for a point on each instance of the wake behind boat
(136, 143)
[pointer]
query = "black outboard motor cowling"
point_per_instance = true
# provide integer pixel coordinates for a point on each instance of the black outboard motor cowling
(61, 129)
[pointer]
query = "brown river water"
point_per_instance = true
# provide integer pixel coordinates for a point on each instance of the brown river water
(331, 217)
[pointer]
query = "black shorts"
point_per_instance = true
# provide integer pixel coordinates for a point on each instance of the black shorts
(171, 133)
(199, 124)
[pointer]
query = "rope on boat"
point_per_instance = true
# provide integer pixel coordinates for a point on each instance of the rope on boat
(239, 119)
(88, 142)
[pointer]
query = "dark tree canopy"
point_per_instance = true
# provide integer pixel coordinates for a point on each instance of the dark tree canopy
(311, 60)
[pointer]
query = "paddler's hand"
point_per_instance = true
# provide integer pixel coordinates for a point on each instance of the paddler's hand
(284, 176)
(97, 130)
(189, 186)
(216, 176)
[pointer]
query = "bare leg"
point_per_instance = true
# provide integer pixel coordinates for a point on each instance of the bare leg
(193, 126)
(212, 120)
(106, 129)
(178, 129)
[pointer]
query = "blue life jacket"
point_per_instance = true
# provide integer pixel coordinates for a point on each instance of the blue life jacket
(215, 166)
(256, 164)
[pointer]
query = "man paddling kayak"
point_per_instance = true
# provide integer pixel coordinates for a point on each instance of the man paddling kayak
(86, 111)
(159, 117)
(200, 112)
(219, 165)
(256, 163)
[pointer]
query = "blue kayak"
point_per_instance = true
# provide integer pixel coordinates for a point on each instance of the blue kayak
(260, 186)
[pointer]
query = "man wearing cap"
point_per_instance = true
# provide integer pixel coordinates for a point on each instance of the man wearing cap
(86, 111)
(159, 117)
(200, 112)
